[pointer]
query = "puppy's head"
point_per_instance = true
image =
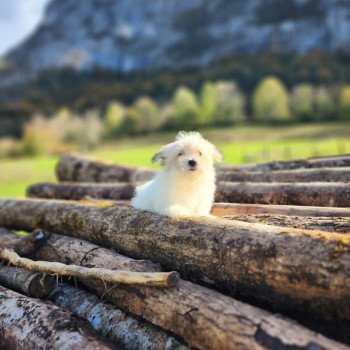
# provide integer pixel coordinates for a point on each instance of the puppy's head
(190, 153)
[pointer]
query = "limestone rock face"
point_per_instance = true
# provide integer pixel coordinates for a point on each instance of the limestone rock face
(129, 35)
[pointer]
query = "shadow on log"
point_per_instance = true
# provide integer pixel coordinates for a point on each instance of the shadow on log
(315, 194)
(27, 323)
(287, 269)
(205, 318)
(122, 329)
(32, 284)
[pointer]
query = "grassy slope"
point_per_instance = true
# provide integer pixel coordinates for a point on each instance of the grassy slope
(239, 145)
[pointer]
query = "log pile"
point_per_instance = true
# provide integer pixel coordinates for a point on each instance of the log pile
(272, 271)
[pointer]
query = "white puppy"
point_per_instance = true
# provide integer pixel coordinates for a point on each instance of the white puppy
(186, 184)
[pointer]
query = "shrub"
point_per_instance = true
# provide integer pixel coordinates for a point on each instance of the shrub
(302, 102)
(271, 101)
(344, 102)
(132, 124)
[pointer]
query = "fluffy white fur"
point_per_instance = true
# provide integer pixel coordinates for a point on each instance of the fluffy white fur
(186, 184)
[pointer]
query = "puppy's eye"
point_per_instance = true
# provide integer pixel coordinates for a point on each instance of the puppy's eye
(180, 154)
(200, 153)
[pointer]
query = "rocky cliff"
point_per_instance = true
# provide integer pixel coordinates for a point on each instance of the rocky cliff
(128, 35)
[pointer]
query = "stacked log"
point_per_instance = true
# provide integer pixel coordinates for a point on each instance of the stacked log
(281, 244)
(307, 271)
(190, 309)
(311, 182)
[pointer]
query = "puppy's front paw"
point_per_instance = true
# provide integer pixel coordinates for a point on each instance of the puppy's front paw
(177, 211)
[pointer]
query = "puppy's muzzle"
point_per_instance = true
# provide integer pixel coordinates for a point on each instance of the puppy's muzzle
(192, 164)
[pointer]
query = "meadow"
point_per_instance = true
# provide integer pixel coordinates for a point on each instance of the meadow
(240, 145)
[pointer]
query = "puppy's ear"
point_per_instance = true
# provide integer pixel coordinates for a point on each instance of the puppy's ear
(158, 157)
(218, 155)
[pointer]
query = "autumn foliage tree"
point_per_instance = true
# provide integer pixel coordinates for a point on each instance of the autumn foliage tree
(271, 101)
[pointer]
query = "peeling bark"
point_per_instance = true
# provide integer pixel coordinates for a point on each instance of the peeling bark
(221, 209)
(27, 323)
(117, 326)
(32, 284)
(316, 194)
(288, 269)
(152, 279)
(340, 225)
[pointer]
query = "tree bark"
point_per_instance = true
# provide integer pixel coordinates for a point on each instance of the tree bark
(73, 167)
(221, 209)
(27, 323)
(289, 270)
(115, 325)
(151, 279)
(204, 318)
(32, 284)
(295, 175)
(340, 225)
(77, 191)
(315, 194)
(309, 194)
(307, 163)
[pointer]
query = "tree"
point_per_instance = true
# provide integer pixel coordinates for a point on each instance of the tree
(186, 111)
(132, 124)
(114, 118)
(271, 101)
(148, 114)
(344, 102)
(302, 102)
(325, 106)
(229, 103)
(208, 101)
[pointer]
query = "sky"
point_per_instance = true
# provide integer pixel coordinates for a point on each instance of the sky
(18, 18)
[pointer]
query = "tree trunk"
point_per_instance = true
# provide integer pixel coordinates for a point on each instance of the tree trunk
(117, 326)
(315, 194)
(27, 323)
(310, 194)
(297, 175)
(289, 270)
(221, 209)
(204, 318)
(77, 191)
(307, 163)
(340, 225)
(32, 284)
(73, 167)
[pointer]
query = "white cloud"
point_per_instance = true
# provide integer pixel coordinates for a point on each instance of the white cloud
(18, 18)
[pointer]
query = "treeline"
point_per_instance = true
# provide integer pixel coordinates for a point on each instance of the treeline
(220, 103)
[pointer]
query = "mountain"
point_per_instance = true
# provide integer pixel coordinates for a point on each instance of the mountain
(133, 35)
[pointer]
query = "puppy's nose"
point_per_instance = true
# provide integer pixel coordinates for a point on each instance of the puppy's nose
(192, 163)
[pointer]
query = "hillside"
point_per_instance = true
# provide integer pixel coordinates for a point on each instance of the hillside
(133, 35)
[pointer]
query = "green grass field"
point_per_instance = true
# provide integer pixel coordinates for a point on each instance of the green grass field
(240, 145)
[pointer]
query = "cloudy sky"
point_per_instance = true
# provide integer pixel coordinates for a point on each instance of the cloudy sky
(18, 18)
